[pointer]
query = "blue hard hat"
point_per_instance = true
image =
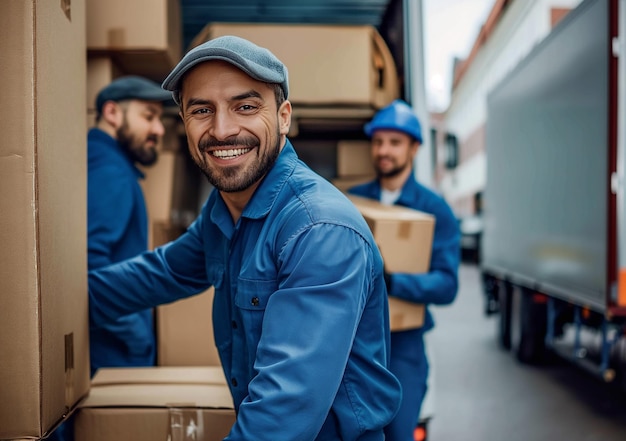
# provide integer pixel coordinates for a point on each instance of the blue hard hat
(396, 116)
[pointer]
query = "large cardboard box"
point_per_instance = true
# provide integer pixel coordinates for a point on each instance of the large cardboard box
(147, 404)
(354, 159)
(142, 36)
(44, 367)
(184, 328)
(185, 332)
(328, 65)
(404, 237)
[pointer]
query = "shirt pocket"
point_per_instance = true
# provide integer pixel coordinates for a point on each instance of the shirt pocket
(251, 300)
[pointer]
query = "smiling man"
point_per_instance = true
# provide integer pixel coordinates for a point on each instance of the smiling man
(300, 323)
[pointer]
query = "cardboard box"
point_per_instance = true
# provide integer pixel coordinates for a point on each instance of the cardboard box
(354, 158)
(100, 72)
(44, 369)
(147, 404)
(405, 315)
(184, 328)
(185, 332)
(347, 65)
(404, 237)
(142, 36)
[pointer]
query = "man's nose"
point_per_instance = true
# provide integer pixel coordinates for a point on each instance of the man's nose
(158, 128)
(382, 148)
(223, 126)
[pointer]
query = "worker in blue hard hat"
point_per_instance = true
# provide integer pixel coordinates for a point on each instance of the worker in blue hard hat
(396, 136)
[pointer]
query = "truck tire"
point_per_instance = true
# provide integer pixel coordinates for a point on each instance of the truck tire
(491, 288)
(505, 293)
(528, 327)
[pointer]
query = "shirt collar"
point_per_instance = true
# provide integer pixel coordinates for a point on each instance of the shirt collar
(265, 195)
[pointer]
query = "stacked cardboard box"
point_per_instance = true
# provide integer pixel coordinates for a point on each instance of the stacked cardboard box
(147, 404)
(44, 368)
(185, 332)
(184, 328)
(143, 37)
(328, 65)
(354, 164)
(404, 237)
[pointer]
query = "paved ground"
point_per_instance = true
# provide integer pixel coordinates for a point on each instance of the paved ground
(483, 393)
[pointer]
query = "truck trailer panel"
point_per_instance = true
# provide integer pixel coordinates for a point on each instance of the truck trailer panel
(548, 171)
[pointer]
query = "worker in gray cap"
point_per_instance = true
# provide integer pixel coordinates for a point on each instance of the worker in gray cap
(300, 315)
(127, 132)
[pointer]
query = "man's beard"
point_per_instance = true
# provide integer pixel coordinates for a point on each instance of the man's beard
(236, 178)
(135, 149)
(395, 171)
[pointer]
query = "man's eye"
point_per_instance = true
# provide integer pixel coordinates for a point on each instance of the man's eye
(247, 107)
(200, 111)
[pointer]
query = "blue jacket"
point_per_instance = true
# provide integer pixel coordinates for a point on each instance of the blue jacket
(300, 312)
(440, 284)
(117, 229)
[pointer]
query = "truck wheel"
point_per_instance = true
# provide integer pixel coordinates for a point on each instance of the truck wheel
(491, 287)
(504, 320)
(528, 327)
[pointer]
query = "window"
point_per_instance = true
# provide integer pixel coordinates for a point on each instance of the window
(452, 151)
(433, 146)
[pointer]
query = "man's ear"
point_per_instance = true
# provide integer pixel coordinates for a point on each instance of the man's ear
(112, 114)
(284, 117)
(415, 145)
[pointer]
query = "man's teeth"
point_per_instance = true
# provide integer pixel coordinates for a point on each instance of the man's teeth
(230, 153)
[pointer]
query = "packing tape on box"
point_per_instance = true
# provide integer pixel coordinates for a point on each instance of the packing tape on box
(404, 230)
(186, 424)
(69, 370)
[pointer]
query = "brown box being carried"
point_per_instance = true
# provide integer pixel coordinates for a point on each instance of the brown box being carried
(44, 367)
(147, 404)
(404, 237)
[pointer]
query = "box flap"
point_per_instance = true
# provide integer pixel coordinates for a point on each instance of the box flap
(378, 211)
(159, 375)
(211, 396)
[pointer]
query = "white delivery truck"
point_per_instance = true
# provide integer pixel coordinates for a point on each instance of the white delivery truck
(554, 240)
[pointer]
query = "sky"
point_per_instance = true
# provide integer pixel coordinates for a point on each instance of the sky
(450, 28)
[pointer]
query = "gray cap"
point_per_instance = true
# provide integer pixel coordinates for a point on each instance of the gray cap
(254, 60)
(131, 87)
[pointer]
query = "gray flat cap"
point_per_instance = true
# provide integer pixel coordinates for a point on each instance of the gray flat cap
(254, 60)
(132, 87)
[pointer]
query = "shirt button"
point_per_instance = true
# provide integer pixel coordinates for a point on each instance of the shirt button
(255, 301)
(234, 324)
(233, 381)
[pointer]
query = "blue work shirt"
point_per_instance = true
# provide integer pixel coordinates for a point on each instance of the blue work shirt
(439, 285)
(300, 313)
(117, 229)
